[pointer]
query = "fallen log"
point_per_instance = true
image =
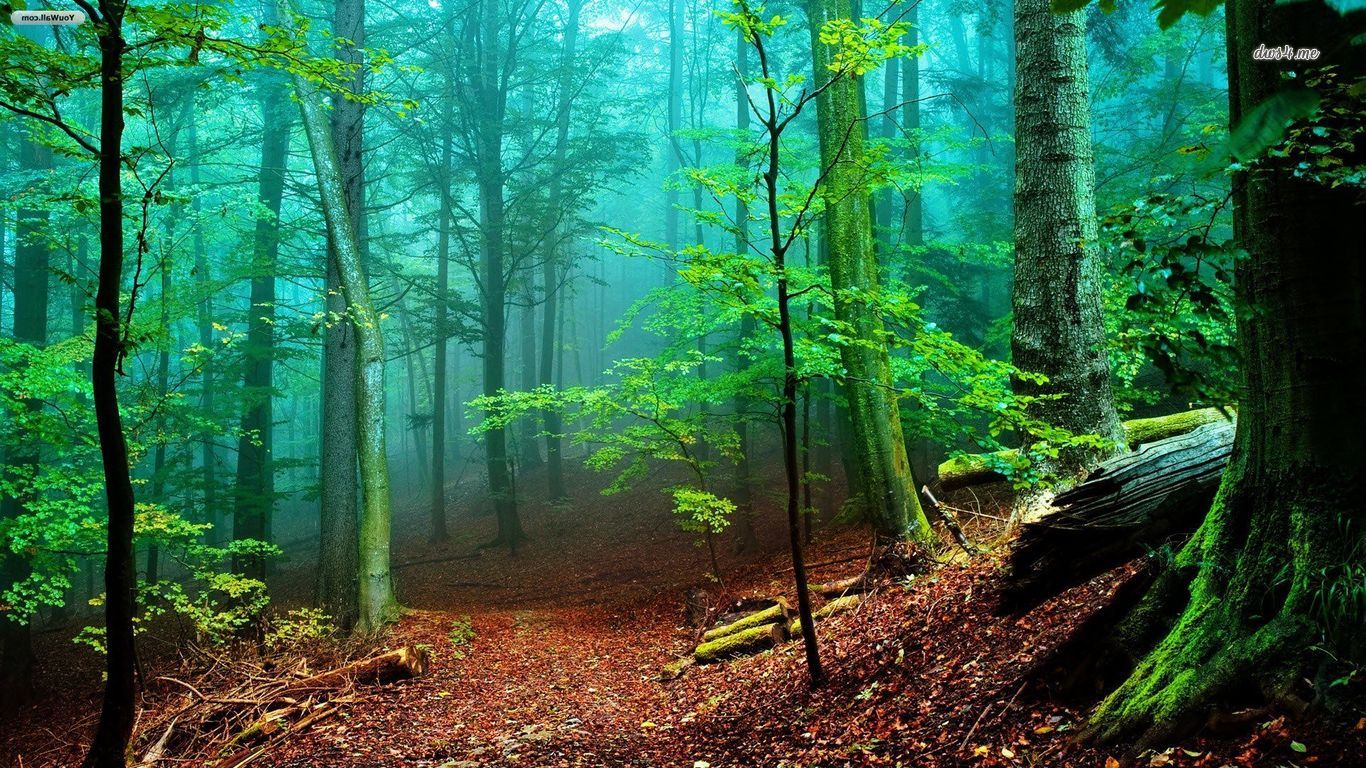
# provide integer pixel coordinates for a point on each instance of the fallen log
(841, 587)
(979, 468)
(743, 643)
(1127, 506)
(382, 669)
(776, 613)
(838, 605)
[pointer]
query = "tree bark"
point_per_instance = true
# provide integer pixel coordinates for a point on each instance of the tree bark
(376, 602)
(1059, 330)
(441, 329)
(109, 748)
(1244, 602)
(879, 449)
(338, 558)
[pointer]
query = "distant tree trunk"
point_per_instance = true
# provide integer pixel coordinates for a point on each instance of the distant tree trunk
(338, 560)
(376, 601)
(1246, 609)
(913, 216)
(441, 327)
(167, 267)
(255, 486)
(530, 367)
(109, 748)
(745, 539)
(674, 160)
(490, 181)
(879, 450)
(204, 320)
(31, 255)
(552, 269)
(1059, 330)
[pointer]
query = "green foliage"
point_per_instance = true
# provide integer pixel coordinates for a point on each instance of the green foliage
(461, 635)
(1171, 303)
(1265, 124)
(299, 627)
(698, 511)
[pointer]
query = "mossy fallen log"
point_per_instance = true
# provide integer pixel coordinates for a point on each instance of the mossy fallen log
(743, 643)
(841, 587)
(838, 605)
(776, 613)
(978, 468)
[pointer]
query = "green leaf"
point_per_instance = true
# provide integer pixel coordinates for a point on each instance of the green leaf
(1345, 7)
(1298, 747)
(1264, 125)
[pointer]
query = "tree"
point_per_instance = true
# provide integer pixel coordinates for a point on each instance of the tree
(338, 564)
(376, 602)
(879, 451)
(1259, 593)
(255, 487)
(1059, 330)
(109, 748)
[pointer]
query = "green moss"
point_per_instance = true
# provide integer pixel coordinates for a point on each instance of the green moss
(771, 615)
(1139, 431)
(740, 643)
(838, 605)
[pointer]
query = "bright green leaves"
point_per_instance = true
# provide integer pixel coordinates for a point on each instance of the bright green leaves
(750, 22)
(698, 511)
(864, 45)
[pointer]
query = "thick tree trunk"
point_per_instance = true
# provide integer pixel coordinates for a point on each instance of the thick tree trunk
(1251, 590)
(879, 449)
(338, 557)
(255, 485)
(376, 602)
(1058, 328)
(31, 255)
(110, 745)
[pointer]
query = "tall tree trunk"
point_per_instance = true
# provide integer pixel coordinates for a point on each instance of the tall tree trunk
(879, 450)
(1241, 608)
(490, 174)
(109, 749)
(440, 328)
(530, 452)
(31, 255)
(338, 560)
(255, 483)
(745, 540)
(552, 268)
(204, 321)
(376, 602)
(1058, 329)
(675, 124)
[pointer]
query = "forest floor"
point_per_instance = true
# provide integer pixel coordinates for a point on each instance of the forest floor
(562, 664)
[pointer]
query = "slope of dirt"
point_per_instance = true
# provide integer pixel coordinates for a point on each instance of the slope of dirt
(554, 658)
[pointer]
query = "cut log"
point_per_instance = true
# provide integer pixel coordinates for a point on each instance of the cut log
(838, 605)
(746, 642)
(385, 668)
(1127, 506)
(979, 468)
(841, 587)
(776, 613)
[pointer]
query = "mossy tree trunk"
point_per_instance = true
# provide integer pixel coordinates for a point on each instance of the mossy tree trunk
(1247, 592)
(1058, 327)
(879, 451)
(375, 599)
(338, 563)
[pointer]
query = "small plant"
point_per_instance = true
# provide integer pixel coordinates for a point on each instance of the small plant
(461, 635)
(298, 627)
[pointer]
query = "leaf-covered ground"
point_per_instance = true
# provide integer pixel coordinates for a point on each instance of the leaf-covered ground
(556, 658)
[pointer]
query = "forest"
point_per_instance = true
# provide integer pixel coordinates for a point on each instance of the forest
(682, 383)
